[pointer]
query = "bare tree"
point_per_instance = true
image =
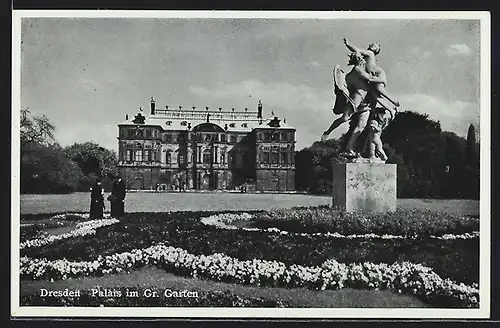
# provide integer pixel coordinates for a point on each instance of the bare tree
(36, 130)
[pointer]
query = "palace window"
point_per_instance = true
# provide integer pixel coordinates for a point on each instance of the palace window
(147, 155)
(274, 157)
(284, 157)
(223, 137)
(128, 155)
(138, 155)
(206, 156)
(265, 157)
(180, 159)
(223, 157)
(148, 133)
(168, 157)
(275, 136)
(168, 137)
(233, 138)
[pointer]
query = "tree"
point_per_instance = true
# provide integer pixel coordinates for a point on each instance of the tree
(471, 149)
(417, 140)
(45, 169)
(471, 174)
(95, 162)
(452, 185)
(314, 166)
(35, 130)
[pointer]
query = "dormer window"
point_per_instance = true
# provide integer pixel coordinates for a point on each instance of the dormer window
(184, 123)
(232, 125)
(168, 123)
(244, 125)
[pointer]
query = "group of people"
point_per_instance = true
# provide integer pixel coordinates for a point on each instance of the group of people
(116, 199)
(366, 100)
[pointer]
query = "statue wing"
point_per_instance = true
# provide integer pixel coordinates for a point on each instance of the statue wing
(340, 90)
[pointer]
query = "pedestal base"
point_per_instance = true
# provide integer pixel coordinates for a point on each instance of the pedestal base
(361, 187)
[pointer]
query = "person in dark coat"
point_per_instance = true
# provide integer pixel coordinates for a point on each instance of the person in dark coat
(97, 201)
(117, 198)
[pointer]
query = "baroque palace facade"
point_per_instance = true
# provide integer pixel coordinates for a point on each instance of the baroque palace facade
(204, 149)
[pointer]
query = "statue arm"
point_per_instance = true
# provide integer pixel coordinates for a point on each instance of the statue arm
(380, 77)
(353, 48)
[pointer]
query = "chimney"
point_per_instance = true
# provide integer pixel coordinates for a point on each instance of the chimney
(153, 105)
(126, 117)
(259, 110)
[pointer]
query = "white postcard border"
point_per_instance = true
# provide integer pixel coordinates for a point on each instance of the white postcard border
(485, 197)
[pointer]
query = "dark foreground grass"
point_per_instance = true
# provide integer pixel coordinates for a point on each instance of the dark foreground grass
(210, 293)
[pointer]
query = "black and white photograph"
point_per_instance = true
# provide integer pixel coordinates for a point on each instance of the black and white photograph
(250, 164)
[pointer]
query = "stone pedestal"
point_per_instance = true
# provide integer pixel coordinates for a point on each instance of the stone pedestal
(361, 187)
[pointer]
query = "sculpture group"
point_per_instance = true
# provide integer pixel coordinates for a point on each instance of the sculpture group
(362, 100)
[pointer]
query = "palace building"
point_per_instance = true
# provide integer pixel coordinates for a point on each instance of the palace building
(205, 149)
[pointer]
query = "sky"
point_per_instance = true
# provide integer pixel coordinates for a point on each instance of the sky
(85, 74)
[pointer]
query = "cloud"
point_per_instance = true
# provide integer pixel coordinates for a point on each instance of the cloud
(458, 50)
(305, 108)
(309, 109)
(418, 51)
(454, 115)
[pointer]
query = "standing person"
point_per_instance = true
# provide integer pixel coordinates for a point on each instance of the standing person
(97, 201)
(118, 198)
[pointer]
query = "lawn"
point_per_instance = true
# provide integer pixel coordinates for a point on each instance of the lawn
(159, 281)
(164, 202)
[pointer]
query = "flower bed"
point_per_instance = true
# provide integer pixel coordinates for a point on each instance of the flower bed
(227, 220)
(403, 222)
(82, 229)
(404, 277)
(455, 259)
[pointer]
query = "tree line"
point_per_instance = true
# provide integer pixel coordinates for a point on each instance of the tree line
(46, 167)
(431, 163)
